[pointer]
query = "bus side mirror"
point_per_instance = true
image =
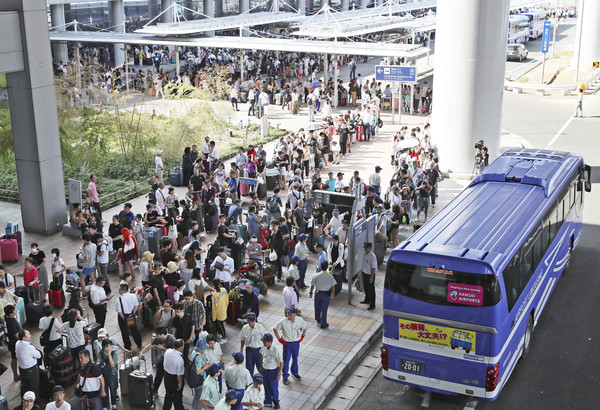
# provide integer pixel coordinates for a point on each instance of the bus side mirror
(588, 187)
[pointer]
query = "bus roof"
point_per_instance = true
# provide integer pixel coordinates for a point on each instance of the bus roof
(494, 214)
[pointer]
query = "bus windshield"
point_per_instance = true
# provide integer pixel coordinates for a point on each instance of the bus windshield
(441, 286)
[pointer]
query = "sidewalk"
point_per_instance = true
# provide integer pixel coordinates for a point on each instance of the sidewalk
(326, 355)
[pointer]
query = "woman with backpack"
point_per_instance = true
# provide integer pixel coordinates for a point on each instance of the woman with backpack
(73, 328)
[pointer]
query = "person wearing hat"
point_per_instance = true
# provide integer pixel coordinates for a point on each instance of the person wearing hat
(126, 306)
(301, 251)
(375, 180)
(324, 283)
(335, 222)
(174, 370)
(158, 165)
(28, 402)
(210, 389)
(339, 184)
(103, 334)
(290, 331)
(146, 267)
(201, 366)
(59, 403)
(321, 256)
(229, 401)
(250, 336)
(369, 267)
(237, 378)
(171, 277)
(254, 397)
(272, 366)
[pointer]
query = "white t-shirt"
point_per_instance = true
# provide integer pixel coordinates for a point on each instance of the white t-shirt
(158, 161)
(52, 406)
(45, 322)
(57, 265)
(75, 334)
(101, 258)
(196, 282)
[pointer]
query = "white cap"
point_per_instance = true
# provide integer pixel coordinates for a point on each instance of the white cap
(29, 395)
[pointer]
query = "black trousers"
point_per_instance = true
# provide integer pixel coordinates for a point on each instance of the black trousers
(160, 372)
(30, 380)
(126, 331)
(369, 289)
(98, 209)
(100, 314)
(173, 396)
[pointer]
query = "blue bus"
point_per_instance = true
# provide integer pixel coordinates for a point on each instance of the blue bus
(536, 22)
(518, 29)
(464, 293)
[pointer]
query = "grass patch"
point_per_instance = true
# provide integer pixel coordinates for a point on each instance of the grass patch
(564, 54)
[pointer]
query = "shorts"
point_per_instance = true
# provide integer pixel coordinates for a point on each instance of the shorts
(129, 255)
(87, 271)
(423, 204)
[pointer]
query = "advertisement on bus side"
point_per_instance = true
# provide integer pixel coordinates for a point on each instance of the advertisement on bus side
(437, 335)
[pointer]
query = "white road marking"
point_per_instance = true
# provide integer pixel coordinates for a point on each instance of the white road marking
(426, 399)
(471, 404)
(559, 133)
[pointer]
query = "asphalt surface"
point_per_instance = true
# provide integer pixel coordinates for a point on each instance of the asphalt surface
(561, 371)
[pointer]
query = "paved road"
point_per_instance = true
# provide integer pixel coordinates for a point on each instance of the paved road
(561, 371)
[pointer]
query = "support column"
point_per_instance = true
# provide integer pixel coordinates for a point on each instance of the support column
(588, 14)
(362, 4)
(345, 5)
(208, 9)
(310, 5)
(169, 16)
(335, 81)
(117, 20)
(468, 80)
(34, 121)
(218, 8)
(324, 2)
(244, 6)
(57, 20)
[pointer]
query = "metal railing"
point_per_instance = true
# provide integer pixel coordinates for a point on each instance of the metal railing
(115, 198)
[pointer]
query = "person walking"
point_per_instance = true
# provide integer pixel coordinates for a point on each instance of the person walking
(88, 252)
(174, 370)
(290, 331)
(237, 378)
(99, 300)
(250, 336)
(159, 167)
(579, 109)
(163, 341)
(272, 366)
(126, 307)
(369, 267)
(93, 198)
(254, 397)
(324, 283)
(27, 358)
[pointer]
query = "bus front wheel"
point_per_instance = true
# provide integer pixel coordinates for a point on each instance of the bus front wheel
(528, 333)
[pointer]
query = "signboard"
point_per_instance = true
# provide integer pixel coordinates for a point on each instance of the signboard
(437, 335)
(334, 200)
(596, 64)
(471, 295)
(75, 196)
(361, 231)
(546, 36)
(248, 181)
(407, 74)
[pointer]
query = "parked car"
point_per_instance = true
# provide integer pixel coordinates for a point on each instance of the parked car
(516, 52)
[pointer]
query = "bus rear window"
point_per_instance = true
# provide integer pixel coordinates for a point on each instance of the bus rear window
(441, 286)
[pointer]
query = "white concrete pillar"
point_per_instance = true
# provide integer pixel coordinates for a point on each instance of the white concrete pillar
(588, 15)
(117, 20)
(362, 4)
(468, 80)
(169, 15)
(324, 2)
(345, 5)
(57, 20)
(244, 6)
(208, 9)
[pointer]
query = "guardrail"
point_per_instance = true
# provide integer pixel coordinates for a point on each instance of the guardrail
(115, 198)
(7, 195)
(590, 82)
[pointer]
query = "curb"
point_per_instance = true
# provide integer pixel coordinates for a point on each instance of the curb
(325, 391)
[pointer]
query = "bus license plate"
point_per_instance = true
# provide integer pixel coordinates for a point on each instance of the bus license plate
(410, 366)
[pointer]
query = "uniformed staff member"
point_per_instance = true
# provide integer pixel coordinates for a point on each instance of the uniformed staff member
(250, 337)
(229, 401)
(237, 378)
(210, 389)
(293, 330)
(174, 370)
(254, 398)
(272, 366)
(369, 267)
(324, 282)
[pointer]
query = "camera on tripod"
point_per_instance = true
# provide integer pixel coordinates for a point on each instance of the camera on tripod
(479, 144)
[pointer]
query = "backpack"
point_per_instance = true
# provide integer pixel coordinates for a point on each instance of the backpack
(273, 205)
(193, 379)
(45, 337)
(152, 195)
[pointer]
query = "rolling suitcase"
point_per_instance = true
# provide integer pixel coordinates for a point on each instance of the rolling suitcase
(271, 182)
(154, 240)
(34, 311)
(244, 189)
(141, 393)
(175, 176)
(3, 403)
(338, 274)
(124, 372)
(243, 230)
(21, 309)
(263, 238)
(16, 236)
(61, 365)
(269, 272)
(10, 250)
(261, 191)
(91, 330)
(56, 298)
(233, 311)
(113, 262)
(359, 133)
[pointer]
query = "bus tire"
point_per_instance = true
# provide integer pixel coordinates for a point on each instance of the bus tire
(527, 338)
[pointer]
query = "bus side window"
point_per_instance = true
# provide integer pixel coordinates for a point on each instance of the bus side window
(526, 269)
(538, 251)
(546, 234)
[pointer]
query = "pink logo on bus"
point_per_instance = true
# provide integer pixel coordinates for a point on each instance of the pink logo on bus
(471, 295)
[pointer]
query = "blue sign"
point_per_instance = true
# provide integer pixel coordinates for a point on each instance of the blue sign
(396, 73)
(546, 36)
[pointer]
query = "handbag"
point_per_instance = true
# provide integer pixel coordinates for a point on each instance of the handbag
(79, 389)
(130, 318)
(273, 255)
(45, 337)
(219, 265)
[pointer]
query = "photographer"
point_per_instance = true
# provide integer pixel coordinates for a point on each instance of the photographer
(423, 190)
(485, 159)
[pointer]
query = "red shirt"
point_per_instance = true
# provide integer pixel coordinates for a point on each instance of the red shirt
(28, 277)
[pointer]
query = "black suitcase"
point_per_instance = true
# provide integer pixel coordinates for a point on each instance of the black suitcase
(61, 365)
(46, 385)
(338, 274)
(140, 386)
(113, 263)
(261, 191)
(91, 330)
(237, 254)
(271, 182)
(154, 235)
(34, 311)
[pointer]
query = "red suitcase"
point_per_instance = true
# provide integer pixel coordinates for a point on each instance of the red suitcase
(359, 133)
(263, 238)
(10, 250)
(55, 298)
(244, 189)
(233, 311)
